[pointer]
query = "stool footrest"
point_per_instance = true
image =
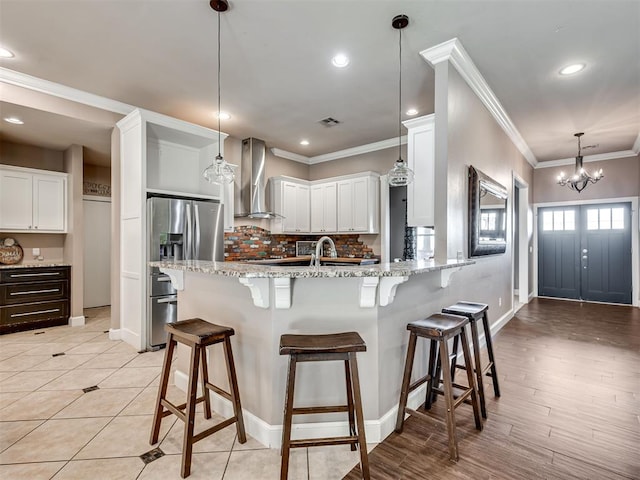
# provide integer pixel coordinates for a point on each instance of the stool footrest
(316, 442)
(486, 369)
(173, 409)
(419, 382)
(219, 391)
(214, 429)
(327, 409)
(462, 398)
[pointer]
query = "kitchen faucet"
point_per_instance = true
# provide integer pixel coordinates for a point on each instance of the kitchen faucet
(315, 259)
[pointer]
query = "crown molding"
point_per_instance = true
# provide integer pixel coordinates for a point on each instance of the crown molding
(351, 152)
(600, 157)
(348, 152)
(290, 155)
(453, 51)
(636, 145)
(62, 91)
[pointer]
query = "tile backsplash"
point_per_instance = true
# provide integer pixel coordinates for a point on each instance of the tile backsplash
(255, 243)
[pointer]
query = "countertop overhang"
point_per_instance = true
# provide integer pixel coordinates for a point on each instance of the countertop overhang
(377, 283)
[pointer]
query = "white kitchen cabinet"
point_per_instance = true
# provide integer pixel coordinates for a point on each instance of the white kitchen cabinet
(290, 200)
(33, 200)
(324, 214)
(358, 204)
(421, 159)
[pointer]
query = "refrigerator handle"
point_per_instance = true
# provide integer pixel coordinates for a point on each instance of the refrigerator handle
(196, 230)
(188, 240)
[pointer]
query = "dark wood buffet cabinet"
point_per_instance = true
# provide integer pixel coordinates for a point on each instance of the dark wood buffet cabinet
(33, 298)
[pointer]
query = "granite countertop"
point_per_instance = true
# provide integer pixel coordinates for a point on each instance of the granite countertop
(253, 270)
(36, 265)
(307, 259)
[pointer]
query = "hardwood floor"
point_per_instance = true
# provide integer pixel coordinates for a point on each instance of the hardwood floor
(570, 406)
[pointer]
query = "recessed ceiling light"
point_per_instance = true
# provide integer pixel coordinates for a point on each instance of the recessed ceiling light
(571, 69)
(340, 60)
(411, 112)
(4, 53)
(14, 120)
(223, 116)
(304, 142)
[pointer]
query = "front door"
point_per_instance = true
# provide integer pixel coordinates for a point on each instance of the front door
(585, 252)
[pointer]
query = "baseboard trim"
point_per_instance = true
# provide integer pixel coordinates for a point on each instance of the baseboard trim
(114, 334)
(131, 338)
(78, 321)
(271, 435)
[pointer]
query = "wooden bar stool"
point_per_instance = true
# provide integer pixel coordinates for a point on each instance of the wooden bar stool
(198, 334)
(319, 348)
(475, 312)
(439, 328)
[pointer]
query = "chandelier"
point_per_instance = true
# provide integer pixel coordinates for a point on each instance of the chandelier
(219, 171)
(581, 178)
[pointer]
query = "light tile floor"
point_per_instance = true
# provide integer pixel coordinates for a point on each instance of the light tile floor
(51, 429)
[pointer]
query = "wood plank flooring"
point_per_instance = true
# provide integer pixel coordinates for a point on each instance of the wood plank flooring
(570, 406)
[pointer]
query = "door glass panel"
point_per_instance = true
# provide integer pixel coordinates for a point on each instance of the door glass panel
(617, 218)
(592, 219)
(558, 220)
(547, 221)
(569, 220)
(605, 219)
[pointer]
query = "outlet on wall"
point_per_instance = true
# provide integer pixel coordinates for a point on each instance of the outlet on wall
(35, 252)
(499, 301)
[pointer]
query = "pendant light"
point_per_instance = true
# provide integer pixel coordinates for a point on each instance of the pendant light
(581, 178)
(219, 171)
(400, 175)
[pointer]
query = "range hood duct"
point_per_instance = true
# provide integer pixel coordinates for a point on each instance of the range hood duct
(253, 180)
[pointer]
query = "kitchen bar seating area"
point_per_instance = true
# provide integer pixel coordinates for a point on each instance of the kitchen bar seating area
(557, 417)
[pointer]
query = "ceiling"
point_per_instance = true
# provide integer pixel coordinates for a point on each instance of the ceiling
(278, 81)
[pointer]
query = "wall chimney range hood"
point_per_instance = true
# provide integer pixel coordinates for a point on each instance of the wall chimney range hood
(253, 180)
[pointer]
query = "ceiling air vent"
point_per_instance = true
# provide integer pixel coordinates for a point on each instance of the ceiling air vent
(329, 122)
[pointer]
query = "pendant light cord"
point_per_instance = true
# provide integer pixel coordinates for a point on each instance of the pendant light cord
(219, 85)
(400, 96)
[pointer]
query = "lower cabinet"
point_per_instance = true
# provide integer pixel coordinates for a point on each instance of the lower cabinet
(33, 298)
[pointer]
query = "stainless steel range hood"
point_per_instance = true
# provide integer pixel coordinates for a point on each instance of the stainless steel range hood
(253, 180)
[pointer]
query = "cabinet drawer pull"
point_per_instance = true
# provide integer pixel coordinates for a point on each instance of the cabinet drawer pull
(16, 275)
(34, 313)
(49, 290)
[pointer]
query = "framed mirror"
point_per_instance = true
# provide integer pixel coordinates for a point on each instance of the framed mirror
(487, 215)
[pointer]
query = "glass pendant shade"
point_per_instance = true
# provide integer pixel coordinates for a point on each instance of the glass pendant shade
(400, 175)
(219, 172)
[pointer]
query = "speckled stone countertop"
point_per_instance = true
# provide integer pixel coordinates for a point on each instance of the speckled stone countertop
(36, 265)
(251, 270)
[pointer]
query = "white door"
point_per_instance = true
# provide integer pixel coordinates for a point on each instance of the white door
(49, 202)
(16, 200)
(97, 253)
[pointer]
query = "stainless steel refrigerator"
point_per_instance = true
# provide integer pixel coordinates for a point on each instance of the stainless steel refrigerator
(179, 229)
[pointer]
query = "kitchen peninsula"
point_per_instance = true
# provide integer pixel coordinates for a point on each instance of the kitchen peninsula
(262, 302)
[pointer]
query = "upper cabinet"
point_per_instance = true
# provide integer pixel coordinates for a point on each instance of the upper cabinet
(421, 159)
(324, 214)
(32, 200)
(167, 156)
(358, 204)
(290, 201)
(348, 204)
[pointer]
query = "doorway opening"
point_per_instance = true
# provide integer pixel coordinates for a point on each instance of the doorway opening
(521, 237)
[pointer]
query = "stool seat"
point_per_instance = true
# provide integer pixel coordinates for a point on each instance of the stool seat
(198, 331)
(471, 310)
(437, 325)
(332, 343)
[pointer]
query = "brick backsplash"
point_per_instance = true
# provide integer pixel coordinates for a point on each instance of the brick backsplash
(255, 243)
